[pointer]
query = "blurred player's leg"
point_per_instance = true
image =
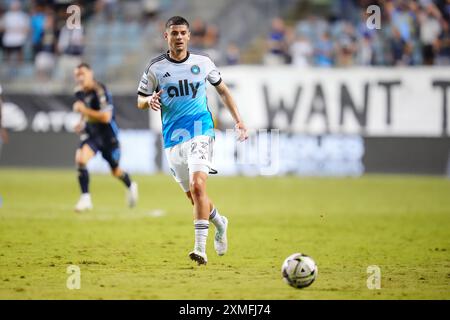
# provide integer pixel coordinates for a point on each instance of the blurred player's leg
(132, 187)
(82, 157)
(112, 155)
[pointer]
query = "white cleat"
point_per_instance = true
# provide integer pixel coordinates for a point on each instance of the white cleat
(132, 195)
(220, 239)
(84, 203)
(198, 257)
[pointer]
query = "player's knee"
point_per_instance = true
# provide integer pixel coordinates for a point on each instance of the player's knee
(197, 187)
(116, 172)
(80, 162)
(81, 159)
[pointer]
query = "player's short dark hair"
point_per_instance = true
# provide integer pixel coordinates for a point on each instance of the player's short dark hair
(84, 65)
(177, 21)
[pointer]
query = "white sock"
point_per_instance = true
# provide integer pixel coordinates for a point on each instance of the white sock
(216, 219)
(201, 234)
(86, 196)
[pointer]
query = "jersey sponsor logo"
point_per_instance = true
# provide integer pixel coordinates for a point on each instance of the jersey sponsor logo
(195, 69)
(184, 88)
(166, 75)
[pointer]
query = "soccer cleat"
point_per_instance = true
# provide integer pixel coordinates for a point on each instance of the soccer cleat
(198, 257)
(220, 239)
(132, 194)
(84, 203)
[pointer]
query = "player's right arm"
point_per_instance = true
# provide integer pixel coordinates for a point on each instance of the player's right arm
(145, 102)
(148, 97)
(104, 114)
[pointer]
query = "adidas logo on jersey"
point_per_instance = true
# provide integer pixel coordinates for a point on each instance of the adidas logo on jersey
(184, 89)
(166, 75)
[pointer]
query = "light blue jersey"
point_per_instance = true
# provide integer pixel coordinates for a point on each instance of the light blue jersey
(184, 108)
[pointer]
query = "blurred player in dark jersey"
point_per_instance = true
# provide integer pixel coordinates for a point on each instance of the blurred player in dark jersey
(98, 131)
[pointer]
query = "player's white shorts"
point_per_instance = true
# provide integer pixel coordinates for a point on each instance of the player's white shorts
(191, 156)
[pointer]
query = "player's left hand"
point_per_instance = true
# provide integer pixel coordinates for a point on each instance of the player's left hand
(78, 107)
(242, 131)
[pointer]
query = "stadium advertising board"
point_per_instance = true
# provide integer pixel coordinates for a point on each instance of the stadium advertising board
(331, 122)
(373, 102)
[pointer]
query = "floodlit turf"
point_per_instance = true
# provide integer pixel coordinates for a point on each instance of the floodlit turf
(401, 224)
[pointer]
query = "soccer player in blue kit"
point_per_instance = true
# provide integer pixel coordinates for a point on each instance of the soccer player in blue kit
(175, 83)
(98, 132)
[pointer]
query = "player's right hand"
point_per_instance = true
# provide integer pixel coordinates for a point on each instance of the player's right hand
(79, 127)
(79, 107)
(153, 100)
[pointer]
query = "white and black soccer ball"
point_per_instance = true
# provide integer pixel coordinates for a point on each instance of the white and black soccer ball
(299, 270)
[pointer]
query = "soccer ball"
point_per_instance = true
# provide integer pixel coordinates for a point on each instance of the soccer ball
(299, 270)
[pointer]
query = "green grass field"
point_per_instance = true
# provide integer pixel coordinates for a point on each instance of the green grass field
(401, 224)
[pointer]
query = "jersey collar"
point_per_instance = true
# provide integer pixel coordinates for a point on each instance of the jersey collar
(167, 56)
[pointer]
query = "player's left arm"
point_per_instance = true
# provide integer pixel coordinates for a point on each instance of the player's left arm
(227, 98)
(103, 116)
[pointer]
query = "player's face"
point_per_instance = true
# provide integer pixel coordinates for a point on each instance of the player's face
(177, 37)
(84, 77)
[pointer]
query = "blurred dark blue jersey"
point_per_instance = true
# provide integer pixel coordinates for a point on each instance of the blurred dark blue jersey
(99, 99)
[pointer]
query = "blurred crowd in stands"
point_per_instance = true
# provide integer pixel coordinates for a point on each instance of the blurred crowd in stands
(412, 32)
(38, 30)
(205, 37)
